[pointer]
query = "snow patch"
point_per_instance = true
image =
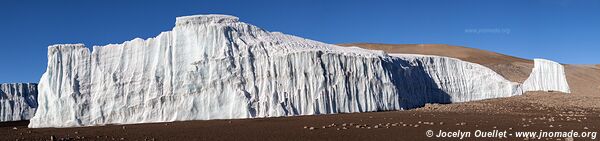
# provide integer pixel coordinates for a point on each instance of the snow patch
(547, 76)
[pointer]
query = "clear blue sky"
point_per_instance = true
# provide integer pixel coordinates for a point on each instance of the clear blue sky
(561, 30)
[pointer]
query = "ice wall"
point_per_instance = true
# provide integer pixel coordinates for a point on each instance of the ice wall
(462, 81)
(17, 101)
(215, 67)
(547, 76)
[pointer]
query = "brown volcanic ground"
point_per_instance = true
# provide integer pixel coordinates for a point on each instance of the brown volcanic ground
(534, 111)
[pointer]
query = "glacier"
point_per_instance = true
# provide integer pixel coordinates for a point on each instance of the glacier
(547, 76)
(17, 101)
(216, 67)
(462, 81)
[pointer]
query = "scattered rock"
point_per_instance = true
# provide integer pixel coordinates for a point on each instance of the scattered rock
(429, 106)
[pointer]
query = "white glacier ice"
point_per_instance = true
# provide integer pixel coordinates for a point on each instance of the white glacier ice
(216, 67)
(547, 76)
(17, 101)
(462, 81)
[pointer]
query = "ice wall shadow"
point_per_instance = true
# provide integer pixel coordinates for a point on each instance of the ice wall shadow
(415, 86)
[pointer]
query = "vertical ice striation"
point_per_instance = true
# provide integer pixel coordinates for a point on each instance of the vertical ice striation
(64, 87)
(216, 67)
(17, 101)
(547, 76)
(461, 81)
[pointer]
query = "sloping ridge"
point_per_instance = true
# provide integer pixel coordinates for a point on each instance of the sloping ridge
(512, 68)
(584, 80)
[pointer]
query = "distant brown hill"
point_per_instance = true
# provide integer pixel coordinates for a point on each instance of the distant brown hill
(512, 68)
(583, 79)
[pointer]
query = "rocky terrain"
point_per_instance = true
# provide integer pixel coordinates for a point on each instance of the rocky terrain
(531, 112)
(534, 111)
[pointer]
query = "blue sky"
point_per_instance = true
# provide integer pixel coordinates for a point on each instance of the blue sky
(567, 31)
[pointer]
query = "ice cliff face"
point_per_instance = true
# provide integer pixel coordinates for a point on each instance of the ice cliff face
(215, 67)
(462, 81)
(17, 101)
(547, 76)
